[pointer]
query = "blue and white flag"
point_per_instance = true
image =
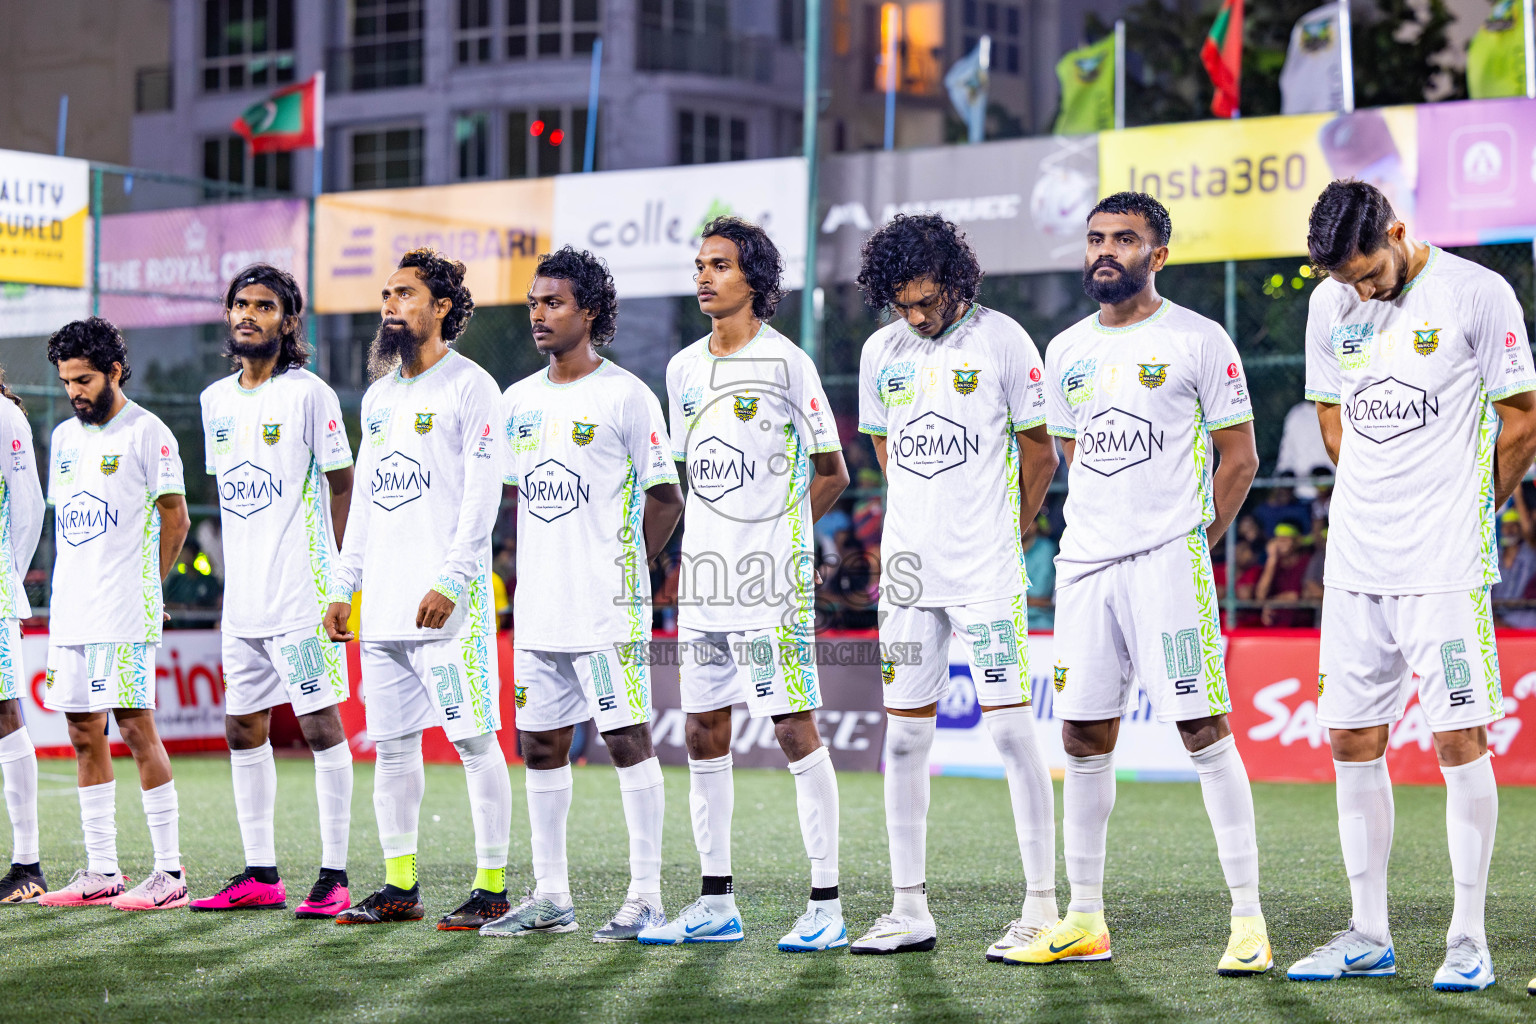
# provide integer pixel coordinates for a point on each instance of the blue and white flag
(967, 85)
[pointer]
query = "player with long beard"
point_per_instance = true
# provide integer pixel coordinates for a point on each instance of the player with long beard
(597, 499)
(1140, 393)
(750, 422)
(949, 392)
(275, 443)
(419, 545)
(1421, 371)
(120, 517)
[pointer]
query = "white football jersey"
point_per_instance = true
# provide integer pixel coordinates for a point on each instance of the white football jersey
(103, 483)
(21, 509)
(745, 427)
(949, 408)
(581, 456)
(424, 500)
(269, 450)
(1412, 509)
(1140, 402)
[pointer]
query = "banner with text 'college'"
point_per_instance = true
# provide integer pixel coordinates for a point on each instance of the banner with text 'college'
(44, 207)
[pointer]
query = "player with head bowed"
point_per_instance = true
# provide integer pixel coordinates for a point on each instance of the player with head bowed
(597, 498)
(1146, 396)
(418, 545)
(120, 517)
(950, 394)
(276, 446)
(751, 425)
(1421, 371)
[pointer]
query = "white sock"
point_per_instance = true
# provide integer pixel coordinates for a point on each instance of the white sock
(1229, 803)
(645, 802)
(816, 800)
(711, 801)
(549, 801)
(160, 809)
(1364, 791)
(1087, 798)
(908, 742)
(399, 783)
(18, 760)
(490, 798)
(98, 820)
(255, 775)
(1471, 816)
(333, 793)
(1034, 804)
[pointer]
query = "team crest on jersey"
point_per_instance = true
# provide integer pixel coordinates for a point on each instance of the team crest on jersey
(1059, 680)
(520, 696)
(582, 433)
(745, 408)
(965, 381)
(424, 422)
(271, 433)
(887, 671)
(1425, 342)
(1152, 375)
(109, 464)
(1320, 677)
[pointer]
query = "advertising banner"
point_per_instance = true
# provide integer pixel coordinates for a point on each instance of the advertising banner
(44, 207)
(29, 310)
(1022, 203)
(165, 267)
(1477, 171)
(646, 223)
(1243, 189)
(497, 228)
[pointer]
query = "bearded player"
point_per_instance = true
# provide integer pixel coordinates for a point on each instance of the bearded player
(1422, 375)
(950, 394)
(597, 499)
(279, 453)
(419, 545)
(1143, 394)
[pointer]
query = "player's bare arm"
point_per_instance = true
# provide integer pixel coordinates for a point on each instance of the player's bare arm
(1239, 462)
(1037, 465)
(878, 440)
(1330, 419)
(341, 499)
(1517, 444)
(174, 524)
(663, 508)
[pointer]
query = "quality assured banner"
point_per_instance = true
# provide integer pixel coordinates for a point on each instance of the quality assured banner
(496, 228)
(646, 223)
(44, 206)
(1477, 171)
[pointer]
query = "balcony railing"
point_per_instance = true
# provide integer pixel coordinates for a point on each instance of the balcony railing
(749, 58)
(363, 67)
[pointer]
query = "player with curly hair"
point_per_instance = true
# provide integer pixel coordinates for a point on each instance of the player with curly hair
(597, 498)
(750, 421)
(120, 517)
(950, 394)
(418, 545)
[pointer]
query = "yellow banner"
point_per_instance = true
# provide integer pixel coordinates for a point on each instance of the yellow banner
(1243, 189)
(44, 206)
(497, 228)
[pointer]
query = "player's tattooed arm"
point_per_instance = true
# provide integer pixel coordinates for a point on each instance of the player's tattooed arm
(1234, 474)
(1331, 420)
(663, 508)
(341, 500)
(1517, 444)
(1037, 465)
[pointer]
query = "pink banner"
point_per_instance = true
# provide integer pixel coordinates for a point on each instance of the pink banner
(1476, 184)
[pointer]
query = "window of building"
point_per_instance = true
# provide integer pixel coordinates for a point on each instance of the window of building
(386, 158)
(247, 44)
(545, 141)
(551, 29)
(386, 50)
(475, 42)
(472, 140)
(226, 158)
(704, 138)
(1011, 58)
(969, 16)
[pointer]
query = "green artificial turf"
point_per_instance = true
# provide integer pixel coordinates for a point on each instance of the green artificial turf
(1166, 905)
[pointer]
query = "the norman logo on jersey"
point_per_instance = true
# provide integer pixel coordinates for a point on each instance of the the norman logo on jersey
(271, 433)
(551, 490)
(109, 464)
(965, 381)
(931, 443)
(1116, 440)
(582, 433)
(83, 518)
(1425, 342)
(717, 468)
(424, 423)
(1352, 343)
(1152, 375)
(745, 408)
(247, 489)
(399, 480)
(1389, 409)
(1077, 382)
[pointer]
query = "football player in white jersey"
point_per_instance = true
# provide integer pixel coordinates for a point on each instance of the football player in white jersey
(597, 499)
(750, 422)
(418, 545)
(120, 517)
(950, 394)
(275, 443)
(1143, 394)
(21, 523)
(1422, 374)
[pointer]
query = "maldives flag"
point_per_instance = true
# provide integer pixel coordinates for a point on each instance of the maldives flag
(290, 118)
(1222, 56)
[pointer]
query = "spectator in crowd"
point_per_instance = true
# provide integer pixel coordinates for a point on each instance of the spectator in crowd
(1517, 565)
(1282, 506)
(1251, 533)
(1312, 582)
(1040, 564)
(1323, 501)
(1302, 452)
(1248, 572)
(1285, 569)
